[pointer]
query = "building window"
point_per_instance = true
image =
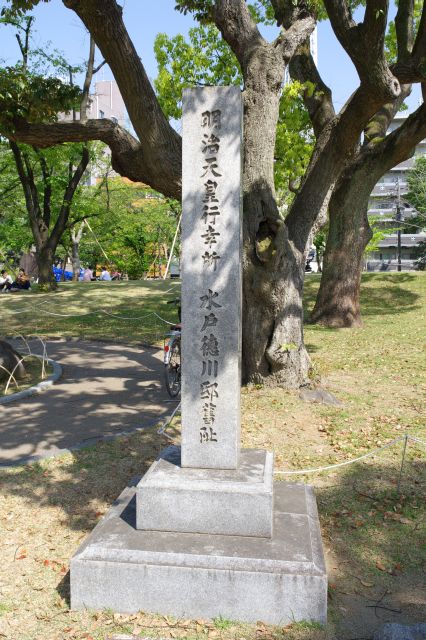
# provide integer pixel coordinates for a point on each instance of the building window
(101, 113)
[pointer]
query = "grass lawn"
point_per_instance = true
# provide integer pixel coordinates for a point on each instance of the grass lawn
(98, 310)
(374, 536)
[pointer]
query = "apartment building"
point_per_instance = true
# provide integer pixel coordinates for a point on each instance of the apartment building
(388, 203)
(106, 102)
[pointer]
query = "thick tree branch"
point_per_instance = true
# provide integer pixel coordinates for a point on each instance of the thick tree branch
(159, 141)
(401, 143)
(84, 104)
(419, 49)
(377, 127)
(341, 20)
(374, 25)
(294, 36)
(318, 102)
(127, 157)
(404, 29)
(237, 27)
(334, 149)
(31, 182)
(99, 67)
(411, 64)
(364, 43)
(47, 191)
(288, 12)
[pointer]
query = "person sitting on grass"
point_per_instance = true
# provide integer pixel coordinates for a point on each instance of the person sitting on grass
(88, 275)
(105, 274)
(21, 282)
(5, 281)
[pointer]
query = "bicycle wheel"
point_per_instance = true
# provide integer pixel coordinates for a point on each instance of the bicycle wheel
(172, 370)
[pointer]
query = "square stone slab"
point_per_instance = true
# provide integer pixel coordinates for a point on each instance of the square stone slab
(187, 500)
(276, 580)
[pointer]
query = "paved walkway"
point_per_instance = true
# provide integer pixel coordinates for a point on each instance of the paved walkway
(104, 389)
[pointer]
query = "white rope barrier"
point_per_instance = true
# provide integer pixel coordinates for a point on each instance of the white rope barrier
(91, 313)
(115, 315)
(343, 464)
(162, 430)
(165, 321)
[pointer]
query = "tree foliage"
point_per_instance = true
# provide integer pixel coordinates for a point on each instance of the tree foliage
(205, 59)
(130, 222)
(33, 90)
(15, 233)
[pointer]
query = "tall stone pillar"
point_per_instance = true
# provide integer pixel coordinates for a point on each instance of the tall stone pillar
(211, 277)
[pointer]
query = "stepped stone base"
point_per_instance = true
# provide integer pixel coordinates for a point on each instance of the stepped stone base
(276, 580)
(229, 502)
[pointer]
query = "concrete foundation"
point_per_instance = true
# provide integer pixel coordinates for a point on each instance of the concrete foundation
(276, 580)
(230, 502)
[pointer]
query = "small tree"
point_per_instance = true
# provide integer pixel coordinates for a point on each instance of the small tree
(131, 221)
(49, 179)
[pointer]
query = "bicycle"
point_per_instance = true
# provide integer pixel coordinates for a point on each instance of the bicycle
(172, 356)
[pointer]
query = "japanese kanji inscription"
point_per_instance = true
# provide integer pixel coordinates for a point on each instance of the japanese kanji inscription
(211, 277)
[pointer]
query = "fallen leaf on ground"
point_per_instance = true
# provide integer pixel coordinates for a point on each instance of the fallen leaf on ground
(366, 584)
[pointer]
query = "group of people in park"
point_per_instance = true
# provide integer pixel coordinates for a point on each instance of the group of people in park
(7, 283)
(23, 282)
(89, 275)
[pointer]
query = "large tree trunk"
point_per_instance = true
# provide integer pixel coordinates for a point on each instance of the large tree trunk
(76, 236)
(10, 362)
(337, 303)
(45, 255)
(273, 348)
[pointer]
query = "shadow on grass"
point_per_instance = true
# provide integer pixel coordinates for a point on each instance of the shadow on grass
(388, 300)
(77, 483)
(312, 348)
(388, 296)
(376, 537)
(125, 311)
(403, 276)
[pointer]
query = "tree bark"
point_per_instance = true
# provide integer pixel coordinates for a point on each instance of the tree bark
(45, 255)
(337, 303)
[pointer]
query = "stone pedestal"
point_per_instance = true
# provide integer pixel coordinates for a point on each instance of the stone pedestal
(277, 580)
(214, 501)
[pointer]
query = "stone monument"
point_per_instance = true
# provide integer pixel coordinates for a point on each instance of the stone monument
(206, 532)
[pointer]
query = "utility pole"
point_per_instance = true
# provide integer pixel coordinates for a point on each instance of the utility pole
(398, 219)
